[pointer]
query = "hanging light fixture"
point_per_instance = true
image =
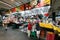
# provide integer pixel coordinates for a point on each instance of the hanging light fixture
(12, 0)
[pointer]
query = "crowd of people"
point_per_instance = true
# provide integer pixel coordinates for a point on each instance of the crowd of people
(33, 23)
(32, 26)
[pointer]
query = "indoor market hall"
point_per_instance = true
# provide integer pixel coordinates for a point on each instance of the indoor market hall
(29, 19)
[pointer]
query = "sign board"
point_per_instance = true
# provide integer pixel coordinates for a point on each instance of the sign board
(35, 11)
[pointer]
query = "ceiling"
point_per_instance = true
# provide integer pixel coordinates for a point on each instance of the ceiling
(55, 5)
(8, 4)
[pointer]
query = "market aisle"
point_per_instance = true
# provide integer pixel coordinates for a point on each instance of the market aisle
(13, 35)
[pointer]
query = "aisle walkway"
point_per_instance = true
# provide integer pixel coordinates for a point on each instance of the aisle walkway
(13, 35)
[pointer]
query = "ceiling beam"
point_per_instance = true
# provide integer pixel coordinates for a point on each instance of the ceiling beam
(6, 7)
(7, 4)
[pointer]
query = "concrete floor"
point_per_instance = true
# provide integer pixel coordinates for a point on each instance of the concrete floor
(11, 34)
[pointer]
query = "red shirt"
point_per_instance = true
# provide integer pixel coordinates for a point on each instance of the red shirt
(29, 26)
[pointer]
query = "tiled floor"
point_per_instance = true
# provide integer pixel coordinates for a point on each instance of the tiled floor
(13, 35)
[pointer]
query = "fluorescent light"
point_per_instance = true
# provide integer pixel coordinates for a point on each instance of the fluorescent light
(17, 4)
(20, 2)
(12, 0)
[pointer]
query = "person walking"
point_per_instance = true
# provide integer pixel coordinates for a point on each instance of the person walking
(5, 22)
(37, 26)
(29, 28)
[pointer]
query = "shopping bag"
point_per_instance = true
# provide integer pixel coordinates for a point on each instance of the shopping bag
(33, 35)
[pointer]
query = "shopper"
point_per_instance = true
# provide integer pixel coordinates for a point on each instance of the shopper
(37, 29)
(5, 22)
(59, 23)
(34, 25)
(16, 23)
(37, 26)
(29, 28)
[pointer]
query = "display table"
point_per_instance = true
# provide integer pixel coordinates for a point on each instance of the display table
(49, 26)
